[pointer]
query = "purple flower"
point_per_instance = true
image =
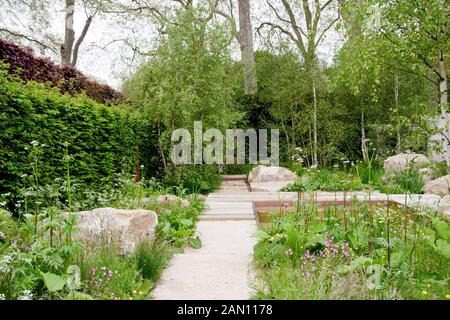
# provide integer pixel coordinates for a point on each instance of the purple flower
(91, 272)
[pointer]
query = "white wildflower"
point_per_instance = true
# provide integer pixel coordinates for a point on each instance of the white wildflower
(34, 143)
(26, 295)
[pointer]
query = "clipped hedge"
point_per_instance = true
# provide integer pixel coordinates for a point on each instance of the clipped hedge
(102, 139)
(25, 64)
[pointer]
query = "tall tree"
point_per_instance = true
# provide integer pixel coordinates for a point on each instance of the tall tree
(244, 36)
(306, 25)
(418, 34)
(245, 39)
(188, 78)
(70, 49)
(38, 32)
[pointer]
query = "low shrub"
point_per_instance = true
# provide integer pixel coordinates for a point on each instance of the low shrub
(195, 178)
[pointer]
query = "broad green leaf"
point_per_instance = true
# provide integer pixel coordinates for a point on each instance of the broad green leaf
(318, 228)
(195, 243)
(361, 261)
(186, 222)
(261, 235)
(442, 229)
(181, 233)
(74, 278)
(443, 247)
(53, 282)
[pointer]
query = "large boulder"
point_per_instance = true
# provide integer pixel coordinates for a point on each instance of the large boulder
(264, 178)
(123, 228)
(269, 174)
(402, 161)
(444, 206)
(439, 186)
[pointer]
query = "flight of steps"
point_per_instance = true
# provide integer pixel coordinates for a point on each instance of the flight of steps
(218, 210)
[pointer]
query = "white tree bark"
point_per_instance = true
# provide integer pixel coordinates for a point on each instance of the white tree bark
(443, 124)
(439, 143)
(315, 158)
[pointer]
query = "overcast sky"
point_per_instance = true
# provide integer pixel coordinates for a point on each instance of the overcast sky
(111, 65)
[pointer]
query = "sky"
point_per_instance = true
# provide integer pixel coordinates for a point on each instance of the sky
(103, 55)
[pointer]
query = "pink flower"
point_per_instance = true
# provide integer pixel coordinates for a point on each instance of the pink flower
(91, 272)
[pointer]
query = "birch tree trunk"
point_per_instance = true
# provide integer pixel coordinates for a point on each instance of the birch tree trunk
(69, 34)
(315, 158)
(364, 150)
(444, 119)
(245, 38)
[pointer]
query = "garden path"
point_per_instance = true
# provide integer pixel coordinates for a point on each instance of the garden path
(222, 268)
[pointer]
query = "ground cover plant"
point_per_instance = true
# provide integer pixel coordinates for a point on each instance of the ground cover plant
(361, 251)
(363, 175)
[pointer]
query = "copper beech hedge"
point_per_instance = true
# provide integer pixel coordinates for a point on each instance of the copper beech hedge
(25, 64)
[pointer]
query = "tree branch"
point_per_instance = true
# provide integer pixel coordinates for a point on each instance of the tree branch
(28, 38)
(80, 39)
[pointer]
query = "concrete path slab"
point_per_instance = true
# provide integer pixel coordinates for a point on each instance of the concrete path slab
(205, 277)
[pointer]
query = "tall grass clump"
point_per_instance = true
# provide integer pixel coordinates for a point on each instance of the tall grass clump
(151, 258)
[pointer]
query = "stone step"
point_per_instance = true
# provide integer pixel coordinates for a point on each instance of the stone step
(227, 217)
(228, 211)
(227, 196)
(234, 182)
(242, 177)
(225, 188)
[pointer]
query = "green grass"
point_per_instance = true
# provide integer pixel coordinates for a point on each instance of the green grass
(107, 275)
(151, 258)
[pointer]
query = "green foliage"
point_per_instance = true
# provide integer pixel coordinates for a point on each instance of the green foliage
(177, 225)
(107, 275)
(189, 77)
(369, 173)
(195, 179)
(327, 179)
(151, 258)
(32, 261)
(405, 181)
(359, 252)
(101, 140)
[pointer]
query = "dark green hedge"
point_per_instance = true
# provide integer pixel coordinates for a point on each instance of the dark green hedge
(102, 139)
